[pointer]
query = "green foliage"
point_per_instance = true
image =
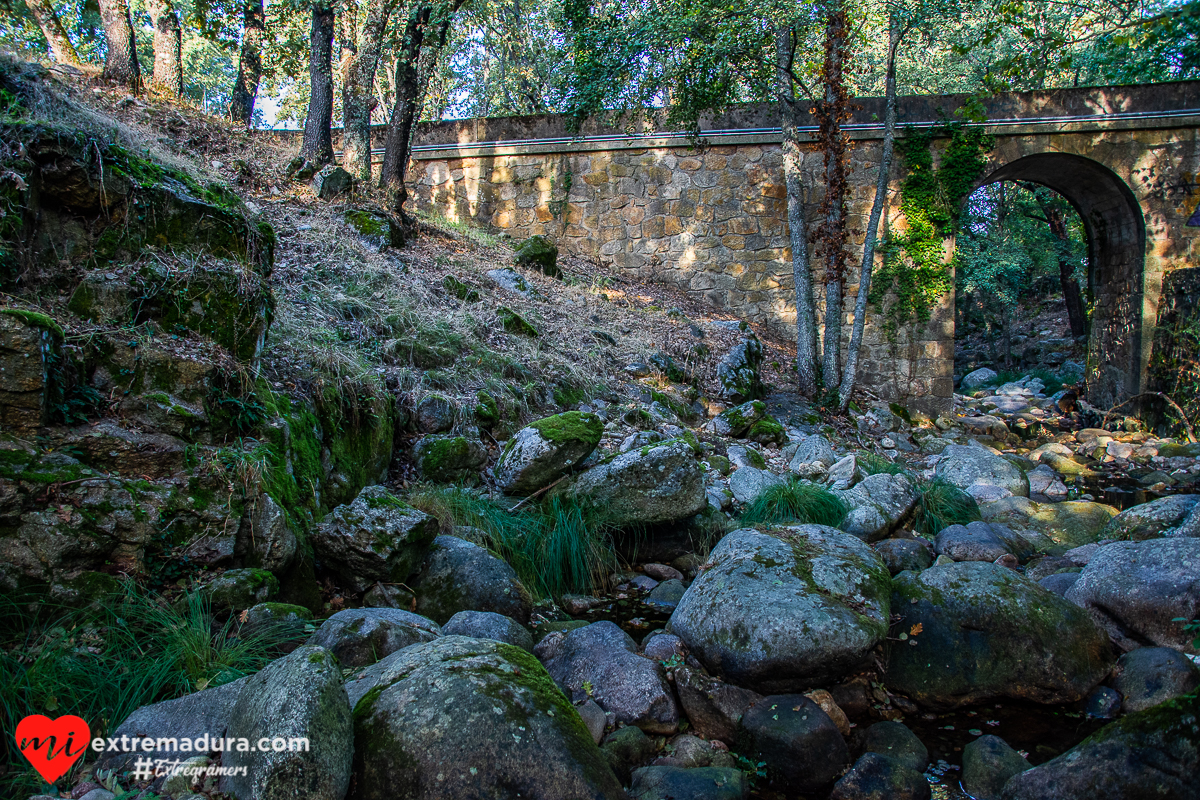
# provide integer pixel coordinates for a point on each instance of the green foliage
(795, 502)
(1192, 626)
(873, 464)
(557, 546)
(914, 275)
(103, 662)
(942, 505)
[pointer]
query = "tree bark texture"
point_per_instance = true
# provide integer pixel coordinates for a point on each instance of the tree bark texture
(850, 374)
(61, 48)
(358, 97)
(245, 88)
(428, 22)
(1072, 294)
(120, 61)
(318, 136)
(168, 48)
(802, 281)
(832, 111)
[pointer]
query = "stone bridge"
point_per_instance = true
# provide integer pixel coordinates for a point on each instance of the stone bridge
(710, 216)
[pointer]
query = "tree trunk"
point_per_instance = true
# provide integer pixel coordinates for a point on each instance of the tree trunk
(318, 136)
(120, 62)
(358, 99)
(806, 318)
(245, 89)
(408, 94)
(831, 238)
(56, 35)
(850, 375)
(1066, 270)
(168, 46)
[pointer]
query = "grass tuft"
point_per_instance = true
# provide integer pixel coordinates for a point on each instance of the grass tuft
(942, 505)
(873, 464)
(795, 502)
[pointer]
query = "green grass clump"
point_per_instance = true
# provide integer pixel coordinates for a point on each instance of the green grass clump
(873, 464)
(557, 545)
(942, 505)
(795, 502)
(103, 662)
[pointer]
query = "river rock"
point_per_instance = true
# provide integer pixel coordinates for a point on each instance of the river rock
(377, 537)
(703, 783)
(902, 554)
(1059, 582)
(460, 576)
(666, 596)
(876, 777)
(981, 376)
(894, 740)
(1070, 524)
(986, 631)
(489, 625)
(980, 541)
(600, 661)
(544, 451)
(272, 541)
(803, 751)
(1151, 754)
(988, 763)
(748, 483)
(738, 372)
(495, 727)
(878, 505)
(446, 458)
(785, 611)
(663, 483)
(813, 450)
(239, 589)
(361, 636)
(1135, 591)
(298, 696)
(1158, 518)
(965, 466)
(713, 708)
(736, 421)
(627, 748)
(1151, 675)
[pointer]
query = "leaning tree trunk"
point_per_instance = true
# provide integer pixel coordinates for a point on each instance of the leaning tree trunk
(120, 62)
(318, 136)
(358, 99)
(1066, 271)
(168, 46)
(245, 88)
(831, 237)
(850, 375)
(61, 48)
(806, 318)
(409, 95)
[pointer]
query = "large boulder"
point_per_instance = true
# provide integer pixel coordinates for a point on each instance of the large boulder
(977, 631)
(495, 727)
(1136, 591)
(739, 419)
(446, 458)
(600, 661)
(1145, 756)
(460, 576)
(964, 467)
(544, 451)
(376, 538)
(1151, 675)
(980, 541)
(701, 783)
(799, 743)
(813, 450)
(299, 696)
(239, 589)
(785, 611)
(896, 741)
(738, 371)
(877, 777)
(878, 505)
(1070, 524)
(538, 252)
(748, 483)
(901, 554)
(489, 625)
(659, 483)
(988, 764)
(714, 708)
(1158, 518)
(360, 636)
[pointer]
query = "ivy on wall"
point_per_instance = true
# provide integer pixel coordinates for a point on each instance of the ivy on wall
(915, 274)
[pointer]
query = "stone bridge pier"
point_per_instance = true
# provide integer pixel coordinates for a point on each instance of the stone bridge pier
(710, 216)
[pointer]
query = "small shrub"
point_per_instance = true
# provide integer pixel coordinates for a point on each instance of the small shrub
(942, 505)
(795, 502)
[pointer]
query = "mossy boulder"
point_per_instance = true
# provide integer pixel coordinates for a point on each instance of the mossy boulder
(457, 575)
(1070, 524)
(738, 372)
(514, 323)
(374, 229)
(1151, 754)
(658, 483)
(1161, 517)
(376, 538)
(786, 611)
(547, 449)
(975, 631)
(538, 252)
(964, 467)
(239, 589)
(767, 431)
(463, 291)
(361, 636)
(497, 727)
(737, 420)
(330, 181)
(28, 347)
(449, 459)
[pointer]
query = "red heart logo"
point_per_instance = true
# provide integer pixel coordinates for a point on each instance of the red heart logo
(52, 745)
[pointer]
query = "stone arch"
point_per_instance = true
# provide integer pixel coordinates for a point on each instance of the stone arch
(1121, 321)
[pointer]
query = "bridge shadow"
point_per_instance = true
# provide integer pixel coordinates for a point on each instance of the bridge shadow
(1121, 319)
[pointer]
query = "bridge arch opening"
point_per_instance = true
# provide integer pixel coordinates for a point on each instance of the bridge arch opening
(1120, 323)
